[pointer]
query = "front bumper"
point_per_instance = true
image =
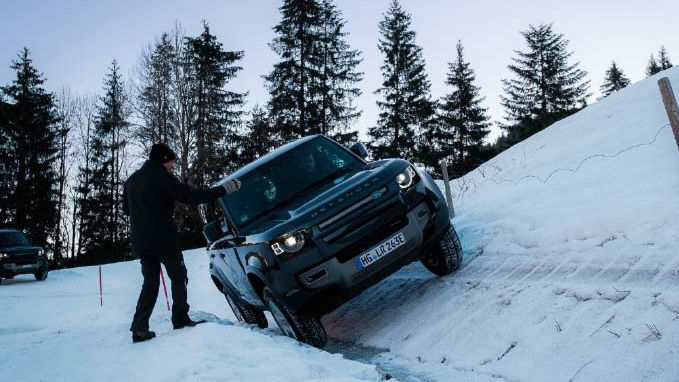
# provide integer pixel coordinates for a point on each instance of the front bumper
(325, 286)
(10, 267)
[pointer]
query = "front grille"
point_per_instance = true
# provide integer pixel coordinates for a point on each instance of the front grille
(368, 199)
(371, 239)
(23, 258)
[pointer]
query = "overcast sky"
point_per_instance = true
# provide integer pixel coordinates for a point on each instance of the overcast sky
(74, 41)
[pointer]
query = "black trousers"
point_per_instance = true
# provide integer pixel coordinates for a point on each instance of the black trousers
(150, 269)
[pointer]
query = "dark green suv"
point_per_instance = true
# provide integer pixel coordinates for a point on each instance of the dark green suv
(314, 224)
(19, 256)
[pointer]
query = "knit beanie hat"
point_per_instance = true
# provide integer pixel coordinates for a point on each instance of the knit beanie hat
(161, 153)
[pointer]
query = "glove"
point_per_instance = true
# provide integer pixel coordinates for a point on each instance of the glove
(231, 186)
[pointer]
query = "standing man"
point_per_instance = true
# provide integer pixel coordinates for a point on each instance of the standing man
(148, 199)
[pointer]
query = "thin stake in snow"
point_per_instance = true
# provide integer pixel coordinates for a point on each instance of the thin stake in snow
(670, 105)
(101, 294)
(162, 277)
(446, 183)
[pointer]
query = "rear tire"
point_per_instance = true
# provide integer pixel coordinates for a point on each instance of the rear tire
(307, 329)
(246, 312)
(446, 257)
(41, 275)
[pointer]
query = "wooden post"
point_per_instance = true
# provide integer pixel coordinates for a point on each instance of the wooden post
(670, 105)
(446, 183)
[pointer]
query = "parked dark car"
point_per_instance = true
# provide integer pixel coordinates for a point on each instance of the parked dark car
(314, 225)
(19, 256)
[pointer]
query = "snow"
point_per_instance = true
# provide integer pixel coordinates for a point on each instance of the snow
(570, 241)
(571, 273)
(55, 330)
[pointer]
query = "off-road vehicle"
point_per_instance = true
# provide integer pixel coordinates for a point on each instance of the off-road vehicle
(19, 256)
(314, 225)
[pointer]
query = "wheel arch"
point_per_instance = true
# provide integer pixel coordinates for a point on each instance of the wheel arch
(257, 283)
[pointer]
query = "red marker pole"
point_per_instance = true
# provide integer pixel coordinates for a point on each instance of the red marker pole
(101, 294)
(162, 277)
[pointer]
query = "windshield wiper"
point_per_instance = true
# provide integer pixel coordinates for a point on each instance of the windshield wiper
(306, 190)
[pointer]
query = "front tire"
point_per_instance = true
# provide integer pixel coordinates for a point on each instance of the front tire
(245, 312)
(446, 257)
(307, 329)
(41, 275)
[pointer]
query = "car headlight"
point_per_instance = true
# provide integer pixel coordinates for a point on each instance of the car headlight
(40, 252)
(406, 178)
(289, 243)
(3, 255)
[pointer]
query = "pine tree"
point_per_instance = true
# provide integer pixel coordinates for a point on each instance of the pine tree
(7, 167)
(546, 87)
(29, 134)
(653, 67)
(664, 59)
(615, 80)
(463, 122)
(104, 236)
(338, 77)
(155, 101)
(217, 110)
(313, 85)
(208, 118)
(406, 106)
(260, 135)
(294, 109)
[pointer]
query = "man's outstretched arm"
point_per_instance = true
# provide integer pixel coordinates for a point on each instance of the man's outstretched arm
(187, 194)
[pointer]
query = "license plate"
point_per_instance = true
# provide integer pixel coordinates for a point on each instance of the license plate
(380, 250)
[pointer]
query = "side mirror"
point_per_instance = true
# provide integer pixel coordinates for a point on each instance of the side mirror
(212, 231)
(358, 149)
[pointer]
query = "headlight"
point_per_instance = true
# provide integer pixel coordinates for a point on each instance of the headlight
(406, 178)
(3, 255)
(40, 252)
(289, 243)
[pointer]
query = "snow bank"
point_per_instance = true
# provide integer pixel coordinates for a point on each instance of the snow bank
(571, 268)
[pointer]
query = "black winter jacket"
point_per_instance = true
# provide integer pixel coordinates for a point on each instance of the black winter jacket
(148, 198)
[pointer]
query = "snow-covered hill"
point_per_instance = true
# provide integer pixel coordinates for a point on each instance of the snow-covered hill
(571, 273)
(571, 242)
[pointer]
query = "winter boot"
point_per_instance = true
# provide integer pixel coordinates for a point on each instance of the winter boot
(142, 336)
(188, 322)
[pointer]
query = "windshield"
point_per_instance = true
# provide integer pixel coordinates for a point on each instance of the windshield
(12, 239)
(303, 171)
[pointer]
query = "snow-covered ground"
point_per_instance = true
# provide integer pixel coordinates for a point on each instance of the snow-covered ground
(571, 241)
(571, 273)
(55, 330)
